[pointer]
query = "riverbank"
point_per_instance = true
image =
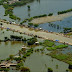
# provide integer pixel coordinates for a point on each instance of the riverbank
(42, 34)
(51, 18)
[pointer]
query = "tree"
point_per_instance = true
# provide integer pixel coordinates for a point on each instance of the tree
(5, 38)
(32, 41)
(50, 70)
(24, 69)
(50, 14)
(28, 6)
(1, 24)
(19, 65)
(20, 52)
(36, 25)
(30, 24)
(11, 57)
(57, 26)
(25, 39)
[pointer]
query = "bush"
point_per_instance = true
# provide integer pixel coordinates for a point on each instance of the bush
(60, 56)
(57, 47)
(24, 69)
(19, 65)
(16, 37)
(48, 43)
(31, 41)
(50, 70)
(44, 15)
(67, 30)
(4, 69)
(18, 59)
(65, 11)
(36, 25)
(50, 14)
(30, 19)
(30, 24)
(11, 56)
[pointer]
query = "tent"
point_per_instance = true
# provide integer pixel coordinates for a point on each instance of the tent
(8, 28)
(56, 40)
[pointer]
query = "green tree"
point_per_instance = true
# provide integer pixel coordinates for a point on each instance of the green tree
(50, 70)
(11, 57)
(24, 69)
(30, 24)
(36, 25)
(28, 6)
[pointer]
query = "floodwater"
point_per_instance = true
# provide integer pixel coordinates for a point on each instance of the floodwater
(9, 48)
(39, 63)
(39, 7)
(66, 23)
(36, 62)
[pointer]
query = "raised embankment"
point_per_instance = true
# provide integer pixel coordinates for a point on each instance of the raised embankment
(45, 35)
(51, 18)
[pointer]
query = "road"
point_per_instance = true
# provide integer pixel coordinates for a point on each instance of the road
(45, 35)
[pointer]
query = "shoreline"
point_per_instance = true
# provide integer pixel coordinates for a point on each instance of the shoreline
(51, 18)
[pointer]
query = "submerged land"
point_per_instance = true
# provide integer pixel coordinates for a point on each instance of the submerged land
(51, 18)
(41, 45)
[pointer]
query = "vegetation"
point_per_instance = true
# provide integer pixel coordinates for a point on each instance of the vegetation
(65, 11)
(23, 22)
(62, 57)
(4, 69)
(28, 6)
(36, 25)
(70, 67)
(54, 26)
(48, 43)
(16, 37)
(30, 24)
(9, 10)
(44, 15)
(9, 7)
(69, 34)
(31, 41)
(19, 65)
(24, 69)
(50, 14)
(67, 30)
(28, 53)
(18, 58)
(7, 59)
(50, 70)
(57, 47)
(30, 19)
(11, 57)
(6, 38)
